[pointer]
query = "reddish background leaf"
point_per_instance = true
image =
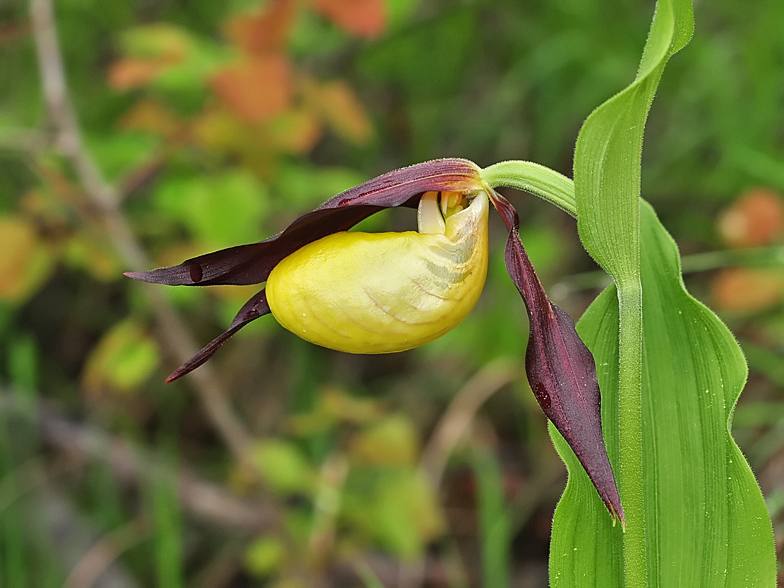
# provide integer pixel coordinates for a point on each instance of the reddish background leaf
(150, 116)
(263, 32)
(756, 218)
(361, 18)
(338, 106)
(127, 74)
(255, 90)
(747, 289)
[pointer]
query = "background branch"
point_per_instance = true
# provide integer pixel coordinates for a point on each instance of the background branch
(205, 500)
(105, 198)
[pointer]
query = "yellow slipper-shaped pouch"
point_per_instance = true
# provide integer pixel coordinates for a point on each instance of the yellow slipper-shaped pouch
(386, 292)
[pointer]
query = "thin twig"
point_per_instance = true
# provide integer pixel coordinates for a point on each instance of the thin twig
(454, 424)
(203, 499)
(53, 522)
(105, 198)
(327, 503)
(105, 551)
(456, 420)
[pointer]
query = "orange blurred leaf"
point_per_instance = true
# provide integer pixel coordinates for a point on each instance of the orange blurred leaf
(127, 74)
(263, 32)
(338, 106)
(747, 289)
(150, 116)
(360, 18)
(255, 90)
(258, 146)
(755, 219)
(24, 260)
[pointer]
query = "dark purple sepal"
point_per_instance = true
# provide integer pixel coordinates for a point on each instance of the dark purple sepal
(251, 310)
(560, 368)
(252, 264)
(396, 187)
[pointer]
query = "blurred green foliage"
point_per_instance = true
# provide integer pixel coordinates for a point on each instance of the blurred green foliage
(221, 122)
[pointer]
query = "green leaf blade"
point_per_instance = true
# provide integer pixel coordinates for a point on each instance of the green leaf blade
(607, 167)
(705, 519)
(609, 150)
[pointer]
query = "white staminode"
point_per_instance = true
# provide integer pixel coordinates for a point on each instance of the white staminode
(430, 219)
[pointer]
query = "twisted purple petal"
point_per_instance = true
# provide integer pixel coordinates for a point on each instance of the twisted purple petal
(560, 368)
(250, 311)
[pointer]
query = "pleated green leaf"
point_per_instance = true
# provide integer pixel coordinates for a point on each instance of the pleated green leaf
(609, 149)
(705, 519)
(607, 165)
(670, 374)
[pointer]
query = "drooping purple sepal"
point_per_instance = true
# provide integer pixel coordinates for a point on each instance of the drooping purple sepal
(560, 368)
(250, 311)
(252, 264)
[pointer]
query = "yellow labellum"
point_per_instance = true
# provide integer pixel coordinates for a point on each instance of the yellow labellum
(386, 292)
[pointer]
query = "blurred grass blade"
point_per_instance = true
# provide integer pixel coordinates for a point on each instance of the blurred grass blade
(165, 507)
(494, 521)
(705, 519)
(12, 546)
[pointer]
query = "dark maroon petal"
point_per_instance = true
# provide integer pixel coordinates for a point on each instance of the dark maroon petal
(253, 309)
(561, 369)
(396, 187)
(251, 264)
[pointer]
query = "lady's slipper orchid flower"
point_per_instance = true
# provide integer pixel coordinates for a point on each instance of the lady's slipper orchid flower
(387, 292)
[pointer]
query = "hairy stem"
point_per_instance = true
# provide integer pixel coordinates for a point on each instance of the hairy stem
(534, 178)
(630, 414)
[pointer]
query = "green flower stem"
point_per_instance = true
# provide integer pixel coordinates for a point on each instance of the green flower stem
(559, 190)
(630, 434)
(534, 178)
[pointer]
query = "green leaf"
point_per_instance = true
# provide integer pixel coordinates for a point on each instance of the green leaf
(284, 467)
(391, 441)
(117, 154)
(670, 374)
(396, 507)
(304, 186)
(122, 360)
(609, 149)
(265, 556)
(705, 519)
(607, 164)
(220, 210)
